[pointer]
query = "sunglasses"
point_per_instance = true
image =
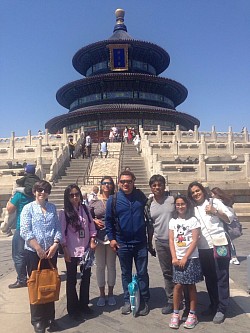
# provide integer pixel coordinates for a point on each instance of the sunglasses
(40, 190)
(124, 181)
(72, 195)
(106, 183)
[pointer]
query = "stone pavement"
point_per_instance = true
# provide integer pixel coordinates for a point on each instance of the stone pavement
(14, 305)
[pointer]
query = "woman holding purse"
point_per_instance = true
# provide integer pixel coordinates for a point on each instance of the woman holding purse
(215, 270)
(41, 230)
(79, 234)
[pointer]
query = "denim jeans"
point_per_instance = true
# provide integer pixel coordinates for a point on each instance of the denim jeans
(138, 253)
(18, 257)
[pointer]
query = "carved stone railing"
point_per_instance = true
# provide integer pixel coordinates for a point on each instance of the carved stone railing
(202, 155)
(42, 150)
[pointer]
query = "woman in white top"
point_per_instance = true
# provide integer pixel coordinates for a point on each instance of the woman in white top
(215, 271)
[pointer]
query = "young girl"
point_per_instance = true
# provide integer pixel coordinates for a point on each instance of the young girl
(184, 231)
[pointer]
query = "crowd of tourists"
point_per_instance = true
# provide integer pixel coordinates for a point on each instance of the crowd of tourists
(186, 232)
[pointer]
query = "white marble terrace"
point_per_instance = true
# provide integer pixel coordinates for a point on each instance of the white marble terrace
(208, 157)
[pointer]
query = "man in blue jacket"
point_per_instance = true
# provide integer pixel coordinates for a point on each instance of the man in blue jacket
(126, 230)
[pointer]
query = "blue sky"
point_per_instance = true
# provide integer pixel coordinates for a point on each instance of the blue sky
(208, 42)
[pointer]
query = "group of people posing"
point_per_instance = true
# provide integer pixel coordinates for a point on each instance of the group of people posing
(123, 224)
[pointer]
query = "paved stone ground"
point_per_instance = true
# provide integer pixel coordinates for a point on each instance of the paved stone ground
(14, 306)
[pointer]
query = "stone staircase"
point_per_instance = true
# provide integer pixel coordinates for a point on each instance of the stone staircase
(73, 173)
(135, 162)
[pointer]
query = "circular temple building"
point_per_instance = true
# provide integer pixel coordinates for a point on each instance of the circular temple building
(121, 86)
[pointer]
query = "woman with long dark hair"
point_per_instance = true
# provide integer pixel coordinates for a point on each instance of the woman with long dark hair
(79, 233)
(215, 270)
(228, 201)
(105, 256)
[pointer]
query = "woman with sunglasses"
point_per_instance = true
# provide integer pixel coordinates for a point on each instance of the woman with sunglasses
(41, 230)
(105, 256)
(78, 231)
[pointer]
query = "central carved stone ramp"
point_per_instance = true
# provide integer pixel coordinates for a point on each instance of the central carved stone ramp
(73, 173)
(132, 159)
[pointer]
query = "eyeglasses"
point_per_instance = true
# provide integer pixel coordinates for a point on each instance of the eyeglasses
(106, 183)
(40, 190)
(124, 181)
(72, 195)
(180, 205)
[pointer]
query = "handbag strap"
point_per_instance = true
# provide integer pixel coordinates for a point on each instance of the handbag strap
(203, 222)
(40, 261)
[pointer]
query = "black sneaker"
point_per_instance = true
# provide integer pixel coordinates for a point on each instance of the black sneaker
(87, 310)
(53, 326)
(76, 316)
(167, 309)
(144, 311)
(17, 284)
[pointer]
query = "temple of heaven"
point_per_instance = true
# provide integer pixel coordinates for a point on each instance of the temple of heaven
(121, 85)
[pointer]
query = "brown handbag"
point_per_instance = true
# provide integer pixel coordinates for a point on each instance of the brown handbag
(44, 285)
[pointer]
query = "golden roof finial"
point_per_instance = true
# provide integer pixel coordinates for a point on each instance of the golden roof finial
(119, 13)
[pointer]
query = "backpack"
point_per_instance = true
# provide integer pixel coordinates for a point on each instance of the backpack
(234, 229)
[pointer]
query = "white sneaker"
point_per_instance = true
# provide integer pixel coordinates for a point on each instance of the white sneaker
(101, 301)
(234, 261)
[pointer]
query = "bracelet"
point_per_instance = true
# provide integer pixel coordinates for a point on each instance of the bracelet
(56, 242)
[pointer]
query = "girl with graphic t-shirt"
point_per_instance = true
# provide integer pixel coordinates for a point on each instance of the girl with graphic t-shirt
(184, 231)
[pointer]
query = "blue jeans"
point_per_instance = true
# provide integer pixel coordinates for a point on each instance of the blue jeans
(18, 257)
(138, 253)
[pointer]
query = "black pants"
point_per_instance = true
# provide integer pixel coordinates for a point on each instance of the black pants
(216, 273)
(75, 304)
(40, 312)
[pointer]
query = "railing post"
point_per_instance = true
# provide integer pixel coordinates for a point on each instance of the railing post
(178, 133)
(202, 168)
(203, 148)
(247, 164)
(39, 148)
(214, 134)
(174, 146)
(196, 133)
(39, 167)
(46, 137)
(12, 146)
(65, 139)
(159, 133)
(230, 141)
(28, 138)
(245, 134)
